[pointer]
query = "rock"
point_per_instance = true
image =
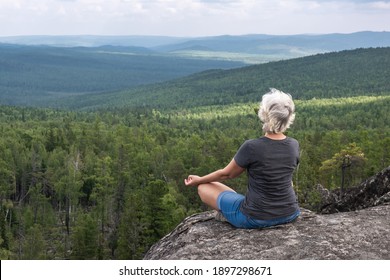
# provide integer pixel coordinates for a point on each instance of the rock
(362, 234)
(373, 191)
(357, 234)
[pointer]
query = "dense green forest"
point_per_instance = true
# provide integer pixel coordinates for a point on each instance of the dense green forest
(340, 74)
(85, 79)
(107, 184)
(38, 75)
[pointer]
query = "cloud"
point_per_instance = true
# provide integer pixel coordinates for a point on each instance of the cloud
(191, 17)
(380, 5)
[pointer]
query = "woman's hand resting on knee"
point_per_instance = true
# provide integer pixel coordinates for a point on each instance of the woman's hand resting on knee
(192, 180)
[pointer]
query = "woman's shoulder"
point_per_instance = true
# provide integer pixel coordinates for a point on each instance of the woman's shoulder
(292, 143)
(292, 140)
(255, 143)
(265, 140)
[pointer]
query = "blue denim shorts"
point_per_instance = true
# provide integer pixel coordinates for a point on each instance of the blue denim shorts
(229, 204)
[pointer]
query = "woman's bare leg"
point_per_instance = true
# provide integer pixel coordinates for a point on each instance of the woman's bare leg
(209, 193)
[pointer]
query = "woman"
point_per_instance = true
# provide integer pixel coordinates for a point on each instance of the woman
(269, 161)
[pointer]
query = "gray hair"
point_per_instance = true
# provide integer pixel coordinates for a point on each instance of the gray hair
(276, 111)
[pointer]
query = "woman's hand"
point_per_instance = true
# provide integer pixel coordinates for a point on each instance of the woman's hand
(192, 180)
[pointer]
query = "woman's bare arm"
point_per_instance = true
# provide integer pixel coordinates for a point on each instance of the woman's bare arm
(232, 170)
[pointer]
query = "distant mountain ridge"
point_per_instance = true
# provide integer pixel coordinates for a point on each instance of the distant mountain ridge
(91, 40)
(283, 45)
(267, 43)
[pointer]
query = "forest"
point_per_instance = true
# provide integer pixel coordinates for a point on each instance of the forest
(339, 74)
(108, 183)
(38, 75)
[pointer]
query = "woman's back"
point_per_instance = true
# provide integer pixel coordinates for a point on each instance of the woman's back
(270, 165)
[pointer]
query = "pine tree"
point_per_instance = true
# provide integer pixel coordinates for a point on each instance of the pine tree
(85, 238)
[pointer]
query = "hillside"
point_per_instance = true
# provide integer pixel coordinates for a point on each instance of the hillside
(90, 77)
(34, 75)
(265, 48)
(340, 74)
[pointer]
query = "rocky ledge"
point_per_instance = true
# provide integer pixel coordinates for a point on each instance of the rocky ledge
(357, 234)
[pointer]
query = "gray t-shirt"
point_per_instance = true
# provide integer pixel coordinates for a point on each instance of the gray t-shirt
(270, 165)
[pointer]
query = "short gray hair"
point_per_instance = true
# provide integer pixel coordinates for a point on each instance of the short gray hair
(276, 111)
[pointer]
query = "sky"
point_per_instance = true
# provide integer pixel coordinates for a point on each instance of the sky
(191, 18)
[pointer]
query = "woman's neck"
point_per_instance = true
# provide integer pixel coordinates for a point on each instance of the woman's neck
(275, 136)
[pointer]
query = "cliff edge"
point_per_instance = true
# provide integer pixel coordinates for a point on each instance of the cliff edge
(357, 234)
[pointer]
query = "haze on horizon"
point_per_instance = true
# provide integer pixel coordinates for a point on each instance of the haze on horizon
(191, 18)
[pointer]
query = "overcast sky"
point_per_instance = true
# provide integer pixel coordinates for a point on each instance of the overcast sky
(191, 17)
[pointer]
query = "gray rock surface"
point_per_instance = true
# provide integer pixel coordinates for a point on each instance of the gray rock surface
(358, 234)
(371, 192)
(362, 234)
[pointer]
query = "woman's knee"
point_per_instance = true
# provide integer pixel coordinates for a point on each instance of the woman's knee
(203, 190)
(209, 193)
(212, 190)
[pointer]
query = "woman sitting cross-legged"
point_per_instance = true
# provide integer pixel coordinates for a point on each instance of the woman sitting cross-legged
(269, 161)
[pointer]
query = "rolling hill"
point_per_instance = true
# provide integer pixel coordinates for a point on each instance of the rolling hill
(275, 47)
(95, 77)
(339, 74)
(251, 48)
(34, 75)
